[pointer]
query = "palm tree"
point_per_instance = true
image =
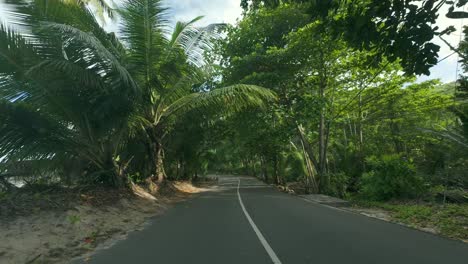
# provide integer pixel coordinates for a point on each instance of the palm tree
(168, 67)
(64, 95)
(69, 91)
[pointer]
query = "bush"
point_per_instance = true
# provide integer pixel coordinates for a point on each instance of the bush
(390, 177)
(337, 184)
(296, 167)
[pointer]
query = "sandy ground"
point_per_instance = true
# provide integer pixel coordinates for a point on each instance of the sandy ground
(54, 236)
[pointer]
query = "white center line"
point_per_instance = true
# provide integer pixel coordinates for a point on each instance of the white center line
(262, 239)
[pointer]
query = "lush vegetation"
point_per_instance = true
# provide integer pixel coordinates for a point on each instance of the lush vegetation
(339, 112)
(350, 118)
(81, 105)
(449, 220)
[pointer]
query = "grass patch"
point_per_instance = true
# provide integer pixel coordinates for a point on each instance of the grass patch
(450, 220)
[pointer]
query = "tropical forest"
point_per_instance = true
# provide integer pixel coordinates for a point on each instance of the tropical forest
(113, 112)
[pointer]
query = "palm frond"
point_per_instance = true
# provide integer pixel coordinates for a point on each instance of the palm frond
(81, 76)
(225, 100)
(144, 24)
(102, 6)
(92, 42)
(16, 53)
(454, 135)
(195, 41)
(26, 133)
(182, 29)
(183, 86)
(12, 89)
(28, 16)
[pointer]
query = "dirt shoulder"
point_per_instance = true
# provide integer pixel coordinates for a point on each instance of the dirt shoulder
(54, 225)
(449, 220)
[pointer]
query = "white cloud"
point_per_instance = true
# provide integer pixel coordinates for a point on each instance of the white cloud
(215, 11)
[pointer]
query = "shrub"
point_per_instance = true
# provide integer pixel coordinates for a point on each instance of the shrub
(390, 177)
(337, 184)
(296, 167)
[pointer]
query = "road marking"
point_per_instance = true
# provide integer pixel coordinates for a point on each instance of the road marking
(325, 205)
(262, 239)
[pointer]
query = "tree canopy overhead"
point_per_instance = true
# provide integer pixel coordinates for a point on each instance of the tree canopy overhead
(396, 29)
(73, 93)
(320, 94)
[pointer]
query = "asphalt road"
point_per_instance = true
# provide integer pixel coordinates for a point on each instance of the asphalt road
(256, 224)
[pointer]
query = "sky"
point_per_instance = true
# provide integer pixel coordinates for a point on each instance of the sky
(228, 11)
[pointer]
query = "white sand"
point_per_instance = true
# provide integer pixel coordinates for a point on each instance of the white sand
(58, 237)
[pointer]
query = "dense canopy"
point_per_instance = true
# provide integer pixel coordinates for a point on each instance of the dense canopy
(318, 93)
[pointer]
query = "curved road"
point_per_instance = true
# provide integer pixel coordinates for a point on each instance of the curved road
(253, 223)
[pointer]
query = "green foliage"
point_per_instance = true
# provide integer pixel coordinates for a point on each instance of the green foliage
(350, 102)
(81, 105)
(448, 220)
(74, 219)
(390, 177)
(55, 105)
(396, 29)
(296, 166)
(337, 184)
(3, 195)
(71, 93)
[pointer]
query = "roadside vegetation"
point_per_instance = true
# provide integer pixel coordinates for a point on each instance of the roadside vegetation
(449, 220)
(89, 116)
(317, 96)
(351, 121)
(84, 106)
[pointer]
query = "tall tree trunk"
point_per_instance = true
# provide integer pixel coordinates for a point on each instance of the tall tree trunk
(311, 181)
(264, 169)
(322, 141)
(360, 136)
(276, 170)
(160, 173)
(325, 181)
(312, 164)
(323, 83)
(156, 154)
(308, 148)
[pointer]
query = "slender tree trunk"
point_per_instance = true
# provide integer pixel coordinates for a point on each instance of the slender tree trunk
(156, 154)
(311, 162)
(252, 167)
(345, 138)
(160, 173)
(308, 148)
(322, 139)
(113, 168)
(311, 181)
(322, 146)
(264, 169)
(276, 170)
(361, 136)
(325, 176)
(178, 169)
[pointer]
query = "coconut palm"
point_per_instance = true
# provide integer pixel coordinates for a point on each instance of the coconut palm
(64, 93)
(71, 92)
(169, 69)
